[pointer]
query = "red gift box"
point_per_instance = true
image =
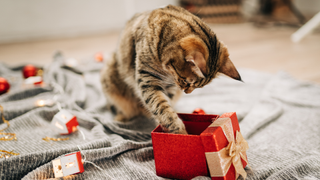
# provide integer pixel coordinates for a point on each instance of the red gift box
(33, 80)
(68, 164)
(64, 122)
(181, 156)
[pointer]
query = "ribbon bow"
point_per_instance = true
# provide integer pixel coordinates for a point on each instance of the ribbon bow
(236, 150)
(219, 162)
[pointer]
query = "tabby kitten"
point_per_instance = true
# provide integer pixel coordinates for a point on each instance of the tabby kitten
(160, 54)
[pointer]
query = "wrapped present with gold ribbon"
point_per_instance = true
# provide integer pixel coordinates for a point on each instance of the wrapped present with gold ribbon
(225, 148)
(181, 156)
(213, 147)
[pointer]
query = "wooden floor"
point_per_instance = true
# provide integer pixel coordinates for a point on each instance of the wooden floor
(263, 49)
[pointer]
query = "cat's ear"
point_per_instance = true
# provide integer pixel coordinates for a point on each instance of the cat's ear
(196, 54)
(227, 67)
(197, 63)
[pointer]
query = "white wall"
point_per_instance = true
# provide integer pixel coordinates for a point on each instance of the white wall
(24, 20)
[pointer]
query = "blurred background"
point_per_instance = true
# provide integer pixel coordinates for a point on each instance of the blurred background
(258, 33)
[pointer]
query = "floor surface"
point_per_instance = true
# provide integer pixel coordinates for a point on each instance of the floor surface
(264, 49)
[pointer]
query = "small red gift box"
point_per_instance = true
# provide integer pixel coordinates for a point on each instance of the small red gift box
(199, 153)
(33, 80)
(68, 164)
(64, 122)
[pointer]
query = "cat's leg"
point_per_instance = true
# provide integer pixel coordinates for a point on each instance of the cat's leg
(120, 99)
(174, 93)
(157, 101)
(126, 108)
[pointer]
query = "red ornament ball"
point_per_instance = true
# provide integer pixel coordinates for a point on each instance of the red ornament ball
(98, 57)
(29, 70)
(4, 85)
(198, 111)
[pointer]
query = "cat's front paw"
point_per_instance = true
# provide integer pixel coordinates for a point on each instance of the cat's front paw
(182, 131)
(176, 128)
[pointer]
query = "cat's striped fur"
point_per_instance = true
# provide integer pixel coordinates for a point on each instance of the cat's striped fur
(160, 54)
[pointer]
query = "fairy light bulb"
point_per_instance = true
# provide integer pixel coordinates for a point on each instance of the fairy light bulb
(69, 164)
(58, 125)
(44, 102)
(40, 103)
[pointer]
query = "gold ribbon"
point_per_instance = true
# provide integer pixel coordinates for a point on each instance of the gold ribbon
(220, 162)
(7, 136)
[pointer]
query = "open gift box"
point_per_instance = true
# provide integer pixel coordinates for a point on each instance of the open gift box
(209, 137)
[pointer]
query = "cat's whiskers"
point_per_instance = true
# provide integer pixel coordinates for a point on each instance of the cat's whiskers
(166, 79)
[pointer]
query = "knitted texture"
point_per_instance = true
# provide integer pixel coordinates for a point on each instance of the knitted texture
(279, 117)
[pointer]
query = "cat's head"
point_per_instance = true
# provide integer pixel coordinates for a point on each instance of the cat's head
(197, 63)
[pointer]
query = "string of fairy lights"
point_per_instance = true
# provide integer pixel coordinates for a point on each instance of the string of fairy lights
(63, 122)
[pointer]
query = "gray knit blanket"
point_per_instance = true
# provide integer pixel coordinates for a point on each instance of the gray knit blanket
(279, 117)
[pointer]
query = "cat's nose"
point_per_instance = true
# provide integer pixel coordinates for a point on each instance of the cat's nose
(189, 90)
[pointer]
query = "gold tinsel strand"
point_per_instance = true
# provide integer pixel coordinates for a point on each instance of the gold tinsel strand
(7, 136)
(7, 154)
(54, 139)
